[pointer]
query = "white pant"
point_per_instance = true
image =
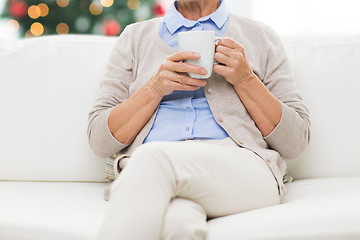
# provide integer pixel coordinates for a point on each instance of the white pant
(168, 189)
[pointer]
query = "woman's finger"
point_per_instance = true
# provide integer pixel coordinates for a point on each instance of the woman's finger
(180, 79)
(222, 58)
(184, 68)
(224, 70)
(182, 55)
(224, 50)
(186, 80)
(230, 43)
(187, 88)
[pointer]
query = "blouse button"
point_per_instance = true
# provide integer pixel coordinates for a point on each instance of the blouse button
(210, 90)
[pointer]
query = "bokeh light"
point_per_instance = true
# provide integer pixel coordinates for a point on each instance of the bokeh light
(37, 29)
(133, 4)
(80, 16)
(95, 8)
(34, 12)
(82, 24)
(62, 28)
(44, 9)
(111, 27)
(13, 25)
(28, 34)
(62, 3)
(143, 12)
(107, 3)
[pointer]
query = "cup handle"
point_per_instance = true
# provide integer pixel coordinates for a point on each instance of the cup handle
(217, 39)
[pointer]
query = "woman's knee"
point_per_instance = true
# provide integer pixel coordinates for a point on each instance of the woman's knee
(184, 219)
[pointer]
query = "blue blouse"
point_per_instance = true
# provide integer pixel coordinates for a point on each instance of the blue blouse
(186, 115)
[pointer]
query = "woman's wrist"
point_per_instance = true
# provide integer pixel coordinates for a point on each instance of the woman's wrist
(152, 92)
(246, 84)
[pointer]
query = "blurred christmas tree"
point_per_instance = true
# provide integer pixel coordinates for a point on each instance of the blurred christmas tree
(107, 17)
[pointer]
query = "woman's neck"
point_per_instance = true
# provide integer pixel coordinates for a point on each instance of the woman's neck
(193, 10)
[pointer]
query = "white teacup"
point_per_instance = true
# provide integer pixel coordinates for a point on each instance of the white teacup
(202, 42)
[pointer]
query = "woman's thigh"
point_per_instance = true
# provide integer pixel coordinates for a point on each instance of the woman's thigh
(222, 179)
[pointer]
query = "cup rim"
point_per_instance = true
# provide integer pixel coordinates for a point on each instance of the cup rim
(195, 32)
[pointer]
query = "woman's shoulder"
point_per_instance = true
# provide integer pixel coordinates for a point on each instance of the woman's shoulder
(144, 27)
(255, 31)
(248, 24)
(135, 33)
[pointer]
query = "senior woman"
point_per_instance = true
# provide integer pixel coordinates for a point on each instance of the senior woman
(193, 149)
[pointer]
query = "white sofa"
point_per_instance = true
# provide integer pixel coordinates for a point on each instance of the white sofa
(52, 185)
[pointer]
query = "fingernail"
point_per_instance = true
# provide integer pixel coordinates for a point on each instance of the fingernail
(203, 71)
(197, 55)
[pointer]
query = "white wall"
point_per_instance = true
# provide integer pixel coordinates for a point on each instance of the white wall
(313, 17)
(2, 3)
(289, 17)
(241, 7)
(5, 31)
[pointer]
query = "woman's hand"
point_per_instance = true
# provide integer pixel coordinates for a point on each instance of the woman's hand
(235, 68)
(170, 76)
(264, 108)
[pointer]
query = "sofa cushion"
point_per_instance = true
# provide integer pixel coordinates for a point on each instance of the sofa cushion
(321, 209)
(326, 70)
(311, 209)
(51, 211)
(48, 86)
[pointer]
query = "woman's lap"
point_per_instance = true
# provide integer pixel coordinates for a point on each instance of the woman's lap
(222, 180)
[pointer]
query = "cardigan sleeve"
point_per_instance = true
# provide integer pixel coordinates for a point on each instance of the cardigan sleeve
(292, 134)
(114, 89)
